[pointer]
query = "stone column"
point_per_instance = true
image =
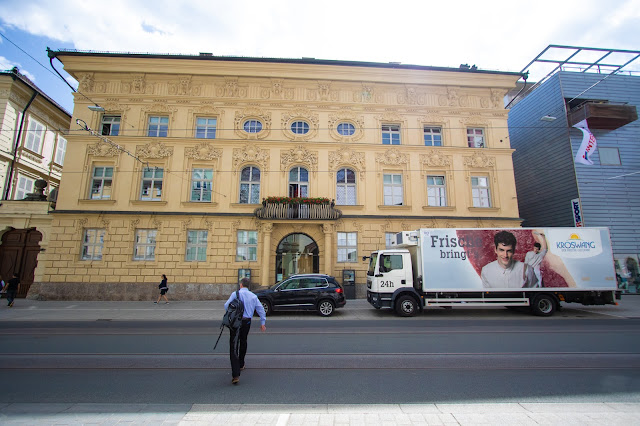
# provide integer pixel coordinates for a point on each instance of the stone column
(328, 248)
(267, 228)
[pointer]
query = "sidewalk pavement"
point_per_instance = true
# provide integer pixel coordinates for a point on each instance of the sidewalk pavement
(507, 413)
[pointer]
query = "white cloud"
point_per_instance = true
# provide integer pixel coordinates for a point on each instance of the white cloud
(7, 65)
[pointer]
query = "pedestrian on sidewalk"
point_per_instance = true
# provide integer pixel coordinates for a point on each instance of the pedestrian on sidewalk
(163, 290)
(11, 288)
(251, 305)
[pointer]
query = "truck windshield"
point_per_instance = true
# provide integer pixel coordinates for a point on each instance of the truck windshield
(372, 264)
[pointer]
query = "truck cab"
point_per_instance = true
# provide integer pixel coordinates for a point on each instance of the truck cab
(389, 276)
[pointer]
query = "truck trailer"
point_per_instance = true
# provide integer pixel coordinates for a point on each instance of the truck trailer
(538, 268)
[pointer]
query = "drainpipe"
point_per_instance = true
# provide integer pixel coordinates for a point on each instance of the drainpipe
(17, 144)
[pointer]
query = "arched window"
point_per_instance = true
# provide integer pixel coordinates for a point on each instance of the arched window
(250, 185)
(298, 182)
(346, 187)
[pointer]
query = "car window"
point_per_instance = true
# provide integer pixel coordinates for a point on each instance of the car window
(317, 282)
(290, 285)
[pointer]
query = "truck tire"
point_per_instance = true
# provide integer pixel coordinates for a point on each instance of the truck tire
(406, 306)
(544, 305)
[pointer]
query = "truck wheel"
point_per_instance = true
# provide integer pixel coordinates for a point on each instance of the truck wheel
(406, 306)
(543, 305)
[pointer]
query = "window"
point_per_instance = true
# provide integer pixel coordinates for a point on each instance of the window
(252, 126)
(250, 185)
(110, 125)
(101, 183)
(298, 182)
(389, 262)
(436, 191)
(247, 248)
(61, 150)
(346, 129)
(390, 134)
(158, 127)
(196, 246)
(480, 191)
(347, 247)
(25, 186)
(145, 244)
(201, 185)
(300, 127)
(609, 156)
(432, 136)
(151, 188)
(389, 237)
(392, 190)
(475, 137)
(346, 187)
(206, 128)
(92, 244)
(35, 135)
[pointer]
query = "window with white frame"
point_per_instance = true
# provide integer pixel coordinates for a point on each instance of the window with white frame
(250, 185)
(247, 246)
(436, 191)
(346, 187)
(475, 137)
(393, 194)
(609, 156)
(480, 191)
(389, 238)
(110, 125)
(347, 247)
(145, 244)
(158, 126)
(101, 181)
(252, 126)
(432, 136)
(61, 149)
(25, 186)
(300, 127)
(35, 136)
(206, 128)
(298, 182)
(92, 244)
(346, 129)
(390, 134)
(201, 185)
(151, 186)
(196, 245)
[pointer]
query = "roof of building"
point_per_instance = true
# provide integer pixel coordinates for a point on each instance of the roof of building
(16, 75)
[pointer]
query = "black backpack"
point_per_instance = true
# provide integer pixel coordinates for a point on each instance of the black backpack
(232, 318)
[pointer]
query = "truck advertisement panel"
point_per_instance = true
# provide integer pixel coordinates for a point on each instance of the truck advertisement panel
(508, 259)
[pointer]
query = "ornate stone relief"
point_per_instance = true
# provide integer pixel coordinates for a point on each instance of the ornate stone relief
(203, 151)
(410, 96)
(81, 224)
(156, 223)
(300, 114)
(208, 224)
(392, 157)
(497, 98)
(479, 160)
(322, 93)
(235, 225)
(390, 116)
(252, 113)
(231, 89)
(328, 228)
(133, 224)
(367, 95)
(186, 224)
(184, 86)
(474, 120)
(435, 159)
(277, 91)
(137, 85)
(250, 154)
(450, 99)
(104, 149)
(298, 156)
(349, 117)
(85, 82)
(154, 150)
(346, 157)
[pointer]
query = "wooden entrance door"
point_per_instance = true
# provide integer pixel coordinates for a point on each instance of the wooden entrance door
(19, 253)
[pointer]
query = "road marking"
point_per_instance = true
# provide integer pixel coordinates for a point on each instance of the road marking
(283, 419)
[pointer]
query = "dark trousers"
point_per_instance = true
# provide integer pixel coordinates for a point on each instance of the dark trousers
(237, 358)
(10, 296)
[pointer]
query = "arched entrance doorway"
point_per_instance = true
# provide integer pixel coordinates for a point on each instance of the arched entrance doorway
(296, 254)
(19, 253)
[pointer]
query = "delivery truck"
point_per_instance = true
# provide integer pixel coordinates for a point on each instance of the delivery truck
(538, 268)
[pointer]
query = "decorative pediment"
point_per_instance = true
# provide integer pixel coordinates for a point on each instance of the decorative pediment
(475, 120)
(159, 107)
(347, 157)
(251, 154)
(349, 117)
(298, 156)
(154, 150)
(104, 149)
(479, 160)
(392, 157)
(390, 116)
(300, 114)
(435, 159)
(252, 113)
(203, 151)
(113, 105)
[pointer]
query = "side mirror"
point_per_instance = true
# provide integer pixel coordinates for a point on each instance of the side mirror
(364, 258)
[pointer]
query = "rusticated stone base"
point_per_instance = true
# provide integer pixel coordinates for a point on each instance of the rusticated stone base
(127, 291)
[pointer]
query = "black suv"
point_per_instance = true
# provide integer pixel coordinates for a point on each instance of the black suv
(303, 292)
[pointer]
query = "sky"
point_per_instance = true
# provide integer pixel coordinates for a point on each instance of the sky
(498, 35)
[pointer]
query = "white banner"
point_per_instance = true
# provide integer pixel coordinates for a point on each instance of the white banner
(588, 145)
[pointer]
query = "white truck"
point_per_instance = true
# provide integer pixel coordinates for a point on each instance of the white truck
(539, 268)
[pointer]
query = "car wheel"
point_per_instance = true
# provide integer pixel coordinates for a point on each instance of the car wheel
(326, 308)
(267, 307)
(406, 306)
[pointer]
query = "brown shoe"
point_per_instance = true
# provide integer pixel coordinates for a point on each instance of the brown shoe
(235, 380)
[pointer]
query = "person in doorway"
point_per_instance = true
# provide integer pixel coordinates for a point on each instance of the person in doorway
(251, 305)
(505, 271)
(11, 288)
(163, 290)
(535, 257)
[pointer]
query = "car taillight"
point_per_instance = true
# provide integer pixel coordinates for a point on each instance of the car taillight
(338, 290)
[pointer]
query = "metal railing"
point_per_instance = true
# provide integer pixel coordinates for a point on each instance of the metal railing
(298, 211)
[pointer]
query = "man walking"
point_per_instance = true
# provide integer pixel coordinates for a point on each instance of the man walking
(251, 305)
(12, 288)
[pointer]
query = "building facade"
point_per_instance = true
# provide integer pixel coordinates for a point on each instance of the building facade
(209, 169)
(554, 189)
(33, 142)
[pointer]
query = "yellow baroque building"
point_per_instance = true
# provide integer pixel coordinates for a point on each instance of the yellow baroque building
(209, 169)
